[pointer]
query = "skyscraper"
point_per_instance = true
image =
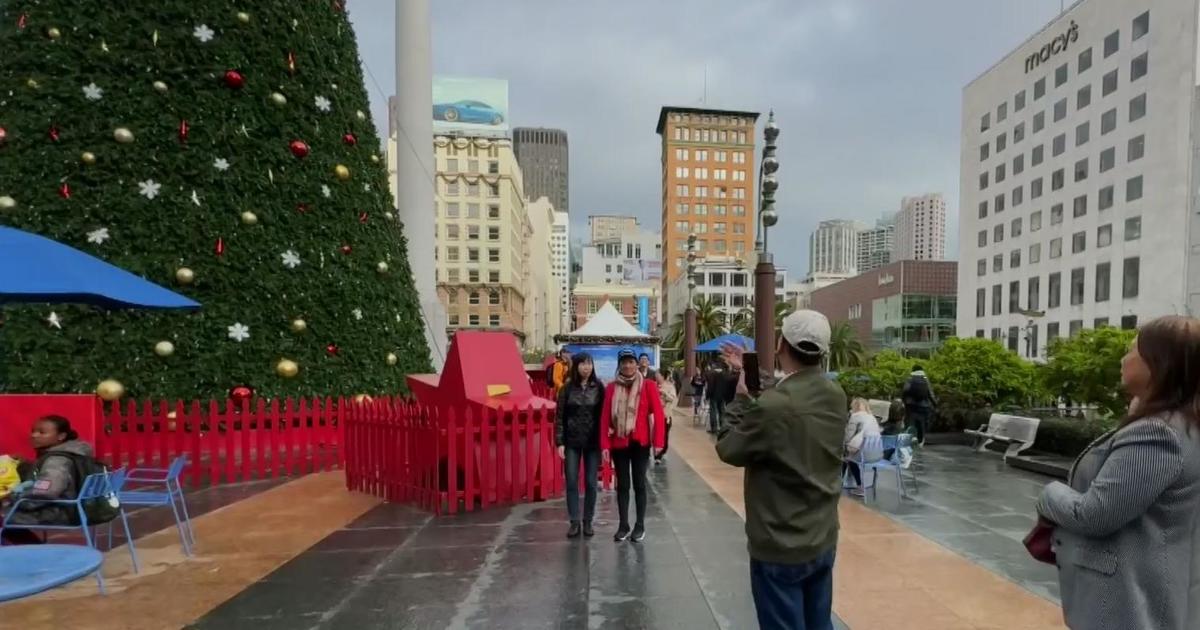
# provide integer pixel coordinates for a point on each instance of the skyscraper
(833, 248)
(876, 245)
(543, 157)
(707, 184)
(921, 228)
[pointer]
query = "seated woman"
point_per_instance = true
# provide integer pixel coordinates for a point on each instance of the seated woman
(53, 477)
(862, 425)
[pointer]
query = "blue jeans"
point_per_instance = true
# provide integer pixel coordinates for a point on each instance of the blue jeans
(591, 464)
(794, 596)
(716, 409)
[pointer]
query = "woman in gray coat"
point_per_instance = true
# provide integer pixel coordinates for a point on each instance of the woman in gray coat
(1124, 523)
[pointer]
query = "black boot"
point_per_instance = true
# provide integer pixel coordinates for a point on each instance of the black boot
(574, 531)
(622, 533)
(588, 532)
(639, 533)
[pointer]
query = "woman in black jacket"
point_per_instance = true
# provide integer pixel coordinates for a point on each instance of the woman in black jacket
(577, 434)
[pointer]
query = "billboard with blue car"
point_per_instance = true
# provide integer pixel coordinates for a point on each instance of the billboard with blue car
(470, 105)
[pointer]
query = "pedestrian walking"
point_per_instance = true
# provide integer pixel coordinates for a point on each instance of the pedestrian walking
(1124, 524)
(560, 371)
(577, 435)
(633, 425)
(719, 386)
(670, 399)
(789, 440)
(919, 402)
(697, 385)
(647, 372)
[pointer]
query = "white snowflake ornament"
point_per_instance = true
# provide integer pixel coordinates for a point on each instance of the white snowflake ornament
(221, 164)
(291, 259)
(92, 92)
(195, 198)
(54, 321)
(203, 33)
(326, 191)
(358, 314)
(323, 104)
(149, 188)
(98, 236)
(239, 332)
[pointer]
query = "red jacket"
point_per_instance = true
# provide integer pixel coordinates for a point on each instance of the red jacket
(648, 403)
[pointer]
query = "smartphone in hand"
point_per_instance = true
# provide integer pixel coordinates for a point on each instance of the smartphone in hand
(751, 370)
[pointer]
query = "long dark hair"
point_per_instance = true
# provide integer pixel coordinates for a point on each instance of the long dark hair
(576, 361)
(1170, 346)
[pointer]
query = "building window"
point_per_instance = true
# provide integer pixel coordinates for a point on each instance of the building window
(451, 254)
(998, 234)
(1014, 259)
(1051, 331)
(1057, 179)
(1103, 270)
(1075, 326)
(983, 209)
(1109, 84)
(1132, 271)
(1000, 173)
(1019, 101)
(1137, 149)
(998, 203)
(1078, 242)
(1018, 164)
(1015, 228)
(980, 302)
(1079, 206)
(452, 276)
(1133, 188)
(1039, 121)
(1056, 214)
(453, 321)
(1001, 112)
(1035, 253)
(1082, 134)
(1033, 290)
(1104, 235)
(1037, 155)
(1085, 61)
(998, 263)
(1139, 66)
(493, 255)
(1112, 43)
(494, 320)
(1018, 133)
(1058, 145)
(1060, 109)
(472, 254)
(1077, 286)
(1129, 322)
(493, 276)
(1108, 159)
(1012, 338)
(472, 232)
(452, 210)
(997, 299)
(1035, 221)
(1001, 143)
(1081, 170)
(1014, 296)
(981, 267)
(1133, 228)
(1083, 97)
(1054, 288)
(1060, 75)
(452, 232)
(1056, 248)
(473, 319)
(472, 211)
(493, 212)
(1035, 188)
(1100, 322)
(1141, 25)
(1039, 88)
(473, 298)
(1137, 107)
(1105, 198)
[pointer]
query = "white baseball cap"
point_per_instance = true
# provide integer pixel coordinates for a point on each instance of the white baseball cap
(807, 328)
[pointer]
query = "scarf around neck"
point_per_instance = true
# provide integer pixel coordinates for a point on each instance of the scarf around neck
(626, 394)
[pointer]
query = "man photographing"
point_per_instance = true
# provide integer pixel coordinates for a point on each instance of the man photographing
(789, 440)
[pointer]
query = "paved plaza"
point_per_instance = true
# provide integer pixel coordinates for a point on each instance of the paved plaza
(306, 554)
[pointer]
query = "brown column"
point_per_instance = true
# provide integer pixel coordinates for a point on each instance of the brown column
(764, 312)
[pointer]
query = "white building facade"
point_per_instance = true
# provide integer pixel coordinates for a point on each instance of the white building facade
(560, 246)
(726, 282)
(833, 247)
(921, 228)
(876, 245)
(1077, 175)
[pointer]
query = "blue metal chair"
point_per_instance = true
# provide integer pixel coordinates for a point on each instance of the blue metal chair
(168, 479)
(895, 442)
(100, 486)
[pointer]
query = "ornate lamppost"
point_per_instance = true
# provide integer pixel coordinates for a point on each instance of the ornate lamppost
(764, 272)
(689, 316)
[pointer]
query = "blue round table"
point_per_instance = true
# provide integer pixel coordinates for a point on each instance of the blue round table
(29, 569)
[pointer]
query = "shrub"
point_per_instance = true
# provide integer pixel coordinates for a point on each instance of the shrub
(1068, 436)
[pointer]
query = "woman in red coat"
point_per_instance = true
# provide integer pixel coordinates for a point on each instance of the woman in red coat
(633, 421)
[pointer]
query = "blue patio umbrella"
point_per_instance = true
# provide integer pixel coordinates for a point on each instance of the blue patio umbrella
(35, 269)
(714, 345)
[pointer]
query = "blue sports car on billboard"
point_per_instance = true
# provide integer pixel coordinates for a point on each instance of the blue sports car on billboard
(467, 112)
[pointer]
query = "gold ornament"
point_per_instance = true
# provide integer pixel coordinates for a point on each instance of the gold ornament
(375, 158)
(287, 368)
(53, 33)
(381, 267)
(87, 157)
(360, 114)
(7, 203)
(363, 398)
(31, 83)
(299, 325)
(183, 275)
(278, 99)
(110, 390)
(243, 17)
(392, 359)
(122, 135)
(343, 173)
(249, 218)
(160, 87)
(164, 348)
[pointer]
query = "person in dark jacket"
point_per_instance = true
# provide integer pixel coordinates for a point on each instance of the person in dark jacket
(719, 392)
(919, 402)
(697, 386)
(577, 434)
(52, 477)
(648, 372)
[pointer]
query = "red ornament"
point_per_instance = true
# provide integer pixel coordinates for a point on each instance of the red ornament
(362, 218)
(350, 139)
(53, 133)
(219, 248)
(3, 135)
(291, 62)
(241, 393)
(302, 208)
(234, 79)
(21, 21)
(346, 249)
(299, 148)
(332, 350)
(183, 131)
(64, 190)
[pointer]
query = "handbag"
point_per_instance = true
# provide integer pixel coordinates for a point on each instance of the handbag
(1038, 542)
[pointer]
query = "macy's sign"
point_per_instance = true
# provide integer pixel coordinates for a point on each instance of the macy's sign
(1055, 46)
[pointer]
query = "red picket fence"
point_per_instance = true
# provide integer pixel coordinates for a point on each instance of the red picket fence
(446, 459)
(226, 442)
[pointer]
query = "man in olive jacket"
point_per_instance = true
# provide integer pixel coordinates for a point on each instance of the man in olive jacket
(789, 440)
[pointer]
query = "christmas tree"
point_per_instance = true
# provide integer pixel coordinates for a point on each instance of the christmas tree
(221, 149)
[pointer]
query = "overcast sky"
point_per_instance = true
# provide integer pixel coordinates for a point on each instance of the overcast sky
(867, 92)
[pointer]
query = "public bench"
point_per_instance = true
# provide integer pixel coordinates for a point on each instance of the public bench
(1015, 432)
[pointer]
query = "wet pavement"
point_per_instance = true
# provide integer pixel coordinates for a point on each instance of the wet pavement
(396, 567)
(977, 506)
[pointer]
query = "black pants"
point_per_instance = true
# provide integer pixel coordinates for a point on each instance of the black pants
(856, 473)
(631, 464)
(918, 420)
(666, 442)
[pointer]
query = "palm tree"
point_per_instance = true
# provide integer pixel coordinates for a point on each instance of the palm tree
(845, 349)
(743, 323)
(710, 324)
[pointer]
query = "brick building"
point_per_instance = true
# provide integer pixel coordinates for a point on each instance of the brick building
(909, 306)
(588, 299)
